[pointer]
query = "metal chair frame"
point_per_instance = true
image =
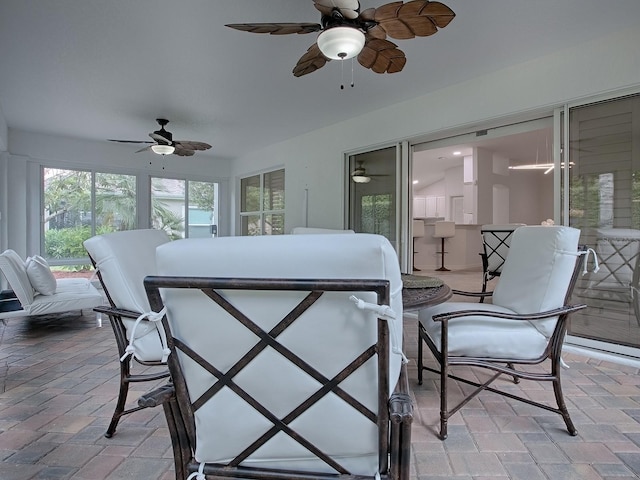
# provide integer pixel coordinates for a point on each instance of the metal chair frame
(394, 415)
(502, 366)
(116, 315)
(502, 238)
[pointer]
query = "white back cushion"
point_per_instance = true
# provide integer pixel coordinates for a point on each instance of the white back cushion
(13, 268)
(124, 259)
(538, 271)
(40, 275)
(324, 336)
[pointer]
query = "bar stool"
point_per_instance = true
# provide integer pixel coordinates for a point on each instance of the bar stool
(444, 229)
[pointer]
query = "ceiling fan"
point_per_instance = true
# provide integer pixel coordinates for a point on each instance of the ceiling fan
(359, 174)
(164, 144)
(345, 32)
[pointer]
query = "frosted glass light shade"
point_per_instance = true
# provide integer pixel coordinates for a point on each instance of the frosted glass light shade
(163, 149)
(340, 43)
(361, 178)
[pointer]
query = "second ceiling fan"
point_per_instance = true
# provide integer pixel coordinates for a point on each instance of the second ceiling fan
(345, 32)
(164, 144)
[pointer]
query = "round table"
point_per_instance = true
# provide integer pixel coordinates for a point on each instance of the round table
(420, 292)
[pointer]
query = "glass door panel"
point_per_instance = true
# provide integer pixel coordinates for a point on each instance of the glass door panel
(373, 196)
(604, 202)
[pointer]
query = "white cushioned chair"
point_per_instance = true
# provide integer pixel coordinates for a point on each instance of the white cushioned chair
(495, 247)
(278, 372)
(122, 260)
(525, 324)
(70, 293)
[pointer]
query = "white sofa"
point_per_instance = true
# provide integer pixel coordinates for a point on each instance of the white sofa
(70, 293)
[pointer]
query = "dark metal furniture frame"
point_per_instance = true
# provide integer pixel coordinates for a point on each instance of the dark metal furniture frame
(394, 415)
(116, 315)
(502, 366)
(501, 238)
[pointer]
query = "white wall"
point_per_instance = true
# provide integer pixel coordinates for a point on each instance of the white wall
(4, 132)
(314, 161)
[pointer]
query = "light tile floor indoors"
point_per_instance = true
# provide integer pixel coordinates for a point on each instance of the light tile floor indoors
(60, 379)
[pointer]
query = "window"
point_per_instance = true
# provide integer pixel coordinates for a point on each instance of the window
(262, 204)
(78, 204)
(184, 208)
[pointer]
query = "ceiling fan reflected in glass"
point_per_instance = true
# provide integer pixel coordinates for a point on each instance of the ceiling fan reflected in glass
(346, 32)
(360, 175)
(164, 144)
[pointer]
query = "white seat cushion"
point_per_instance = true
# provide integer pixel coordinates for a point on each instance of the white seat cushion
(535, 278)
(484, 336)
(71, 294)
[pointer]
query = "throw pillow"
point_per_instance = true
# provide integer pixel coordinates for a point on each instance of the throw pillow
(40, 276)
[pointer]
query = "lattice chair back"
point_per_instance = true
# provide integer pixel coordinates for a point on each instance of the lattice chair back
(278, 356)
(496, 240)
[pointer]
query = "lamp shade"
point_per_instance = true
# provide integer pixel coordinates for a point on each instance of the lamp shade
(340, 43)
(163, 149)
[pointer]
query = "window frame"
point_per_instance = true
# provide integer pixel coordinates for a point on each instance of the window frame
(262, 212)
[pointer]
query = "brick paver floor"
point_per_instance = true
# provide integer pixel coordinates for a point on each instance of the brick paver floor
(59, 379)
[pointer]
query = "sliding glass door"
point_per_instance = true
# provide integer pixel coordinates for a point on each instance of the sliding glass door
(377, 195)
(604, 202)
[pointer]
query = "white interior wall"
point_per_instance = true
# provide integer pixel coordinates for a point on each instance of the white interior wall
(4, 132)
(534, 201)
(314, 161)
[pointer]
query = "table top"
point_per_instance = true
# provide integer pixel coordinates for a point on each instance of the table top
(420, 292)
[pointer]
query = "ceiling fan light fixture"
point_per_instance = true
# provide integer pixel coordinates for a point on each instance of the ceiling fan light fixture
(341, 43)
(163, 149)
(361, 178)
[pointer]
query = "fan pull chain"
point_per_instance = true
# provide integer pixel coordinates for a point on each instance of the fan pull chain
(342, 55)
(352, 81)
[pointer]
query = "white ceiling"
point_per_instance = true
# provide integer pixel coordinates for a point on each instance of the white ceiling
(100, 69)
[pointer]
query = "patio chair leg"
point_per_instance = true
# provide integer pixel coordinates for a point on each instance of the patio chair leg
(122, 399)
(557, 390)
(420, 364)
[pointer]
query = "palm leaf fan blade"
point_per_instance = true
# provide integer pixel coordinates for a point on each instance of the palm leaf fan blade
(276, 28)
(347, 8)
(382, 56)
(311, 61)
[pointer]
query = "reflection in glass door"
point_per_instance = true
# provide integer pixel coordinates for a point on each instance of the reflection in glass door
(604, 202)
(373, 199)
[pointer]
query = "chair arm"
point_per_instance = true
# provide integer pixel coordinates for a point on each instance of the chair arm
(400, 405)
(471, 294)
(485, 261)
(116, 312)
(509, 316)
(157, 397)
